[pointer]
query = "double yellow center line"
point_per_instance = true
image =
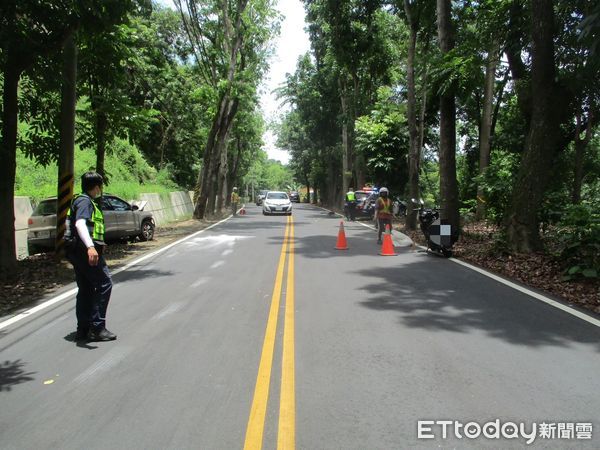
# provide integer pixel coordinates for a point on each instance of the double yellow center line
(286, 434)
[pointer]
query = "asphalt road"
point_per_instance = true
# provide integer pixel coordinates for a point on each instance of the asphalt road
(258, 330)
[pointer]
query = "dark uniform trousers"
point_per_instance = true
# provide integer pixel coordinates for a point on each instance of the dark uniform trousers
(383, 222)
(95, 286)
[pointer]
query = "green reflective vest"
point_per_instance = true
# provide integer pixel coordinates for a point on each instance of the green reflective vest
(95, 225)
(350, 196)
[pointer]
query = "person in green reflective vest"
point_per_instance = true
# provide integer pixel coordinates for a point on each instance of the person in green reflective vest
(351, 204)
(84, 238)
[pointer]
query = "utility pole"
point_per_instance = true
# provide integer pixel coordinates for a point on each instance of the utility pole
(67, 141)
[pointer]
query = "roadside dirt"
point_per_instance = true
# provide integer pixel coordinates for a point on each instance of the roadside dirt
(42, 274)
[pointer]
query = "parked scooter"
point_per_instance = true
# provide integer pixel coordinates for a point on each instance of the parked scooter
(437, 233)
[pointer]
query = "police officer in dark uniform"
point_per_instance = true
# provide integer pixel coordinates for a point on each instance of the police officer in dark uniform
(84, 239)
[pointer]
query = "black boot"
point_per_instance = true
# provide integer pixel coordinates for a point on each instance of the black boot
(102, 335)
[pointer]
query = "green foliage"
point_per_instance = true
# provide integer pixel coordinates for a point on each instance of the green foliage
(268, 174)
(382, 138)
(429, 182)
(578, 238)
(130, 174)
(497, 183)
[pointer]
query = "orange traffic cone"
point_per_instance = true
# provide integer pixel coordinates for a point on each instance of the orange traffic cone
(387, 248)
(341, 240)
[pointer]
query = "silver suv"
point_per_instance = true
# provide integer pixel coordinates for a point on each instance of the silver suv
(121, 221)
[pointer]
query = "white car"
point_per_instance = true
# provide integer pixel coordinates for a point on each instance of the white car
(276, 202)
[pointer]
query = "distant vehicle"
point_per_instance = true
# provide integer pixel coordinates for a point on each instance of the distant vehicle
(276, 202)
(294, 196)
(121, 221)
(365, 204)
(261, 196)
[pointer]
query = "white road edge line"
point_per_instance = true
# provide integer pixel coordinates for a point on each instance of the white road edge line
(540, 297)
(73, 291)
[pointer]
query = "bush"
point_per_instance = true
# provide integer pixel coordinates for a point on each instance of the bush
(497, 183)
(578, 237)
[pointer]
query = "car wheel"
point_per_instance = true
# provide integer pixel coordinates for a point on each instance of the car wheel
(147, 233)
(32, 249)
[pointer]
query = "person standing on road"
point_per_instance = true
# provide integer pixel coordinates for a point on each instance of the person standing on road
(351, 204)
(84, 239)
(384, 212)
(235, 199)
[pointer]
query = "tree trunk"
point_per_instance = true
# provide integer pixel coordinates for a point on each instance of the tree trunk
(346, 153)
(8, 155)
(205, 174)
(232, 174)
(486, 125)
(331, 191)
(518, 70)
(101, 127)
(580, 147)
(224, 160)
(448, 184)
(67, 140)
(414, 153)
(307, 183)
(541, 147)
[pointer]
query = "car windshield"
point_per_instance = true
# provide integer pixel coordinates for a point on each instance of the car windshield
(45, 208)
(360, 195)
(277, 196)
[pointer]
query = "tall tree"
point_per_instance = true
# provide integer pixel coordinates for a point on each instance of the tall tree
(448, 183)
(30, 30)
(229, 41)
(485, 132)
(542, 141)
(411, 10)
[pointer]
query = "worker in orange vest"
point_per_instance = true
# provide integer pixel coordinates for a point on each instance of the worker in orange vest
(235, 199)
(384, 212)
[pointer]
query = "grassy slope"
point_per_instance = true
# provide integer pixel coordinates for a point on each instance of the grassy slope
(129, 173)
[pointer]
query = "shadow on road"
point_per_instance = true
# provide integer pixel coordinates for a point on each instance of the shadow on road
(323, 246)
(438, 296)
(81, 344)
(140, 274)
(13, 373)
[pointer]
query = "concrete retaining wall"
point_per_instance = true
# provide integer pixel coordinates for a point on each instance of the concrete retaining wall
(168, 207)
(23, 209)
